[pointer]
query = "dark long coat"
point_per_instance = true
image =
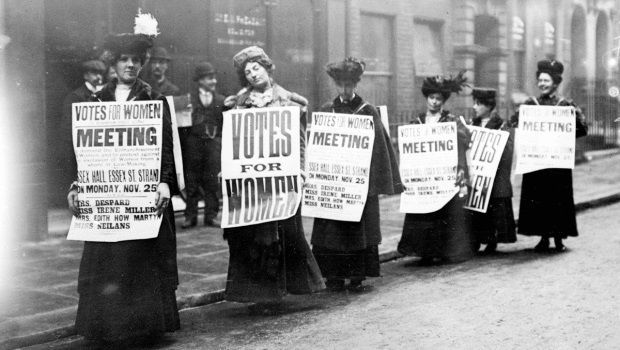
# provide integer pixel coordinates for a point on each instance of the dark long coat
(127, 288)
(498, 223)
(547, 206)
(271, 259)
(445, 233)
(341, 244)
(203, 156)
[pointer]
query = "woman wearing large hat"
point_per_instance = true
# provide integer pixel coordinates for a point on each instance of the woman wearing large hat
(127, 288)
(547, 208)
(349, 250)
(497, 225)
(443, 235)
(271, 259)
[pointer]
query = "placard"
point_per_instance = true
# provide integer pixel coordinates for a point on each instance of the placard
(261, 170)
(485, 152)
(545, 138)
(338, 155)
(428, 166)
(118, 148)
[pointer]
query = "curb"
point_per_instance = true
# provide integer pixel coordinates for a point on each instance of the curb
(202, 299)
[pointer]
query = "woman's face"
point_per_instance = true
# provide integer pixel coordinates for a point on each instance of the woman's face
(434, 102)
(546, 84)
(481, 109)
(127, 68)
(346, 89)
(257, 75)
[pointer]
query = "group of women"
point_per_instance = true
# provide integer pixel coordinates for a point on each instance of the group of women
(270, 260)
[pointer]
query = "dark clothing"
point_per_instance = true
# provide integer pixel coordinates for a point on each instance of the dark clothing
(164, 87)
(263, 272)
(498, 223)
(441, 234)
(349, 249)
(270, 259)
(81, 94)
(127, 288)
(547, 207)
(203, 154)
(445, 233)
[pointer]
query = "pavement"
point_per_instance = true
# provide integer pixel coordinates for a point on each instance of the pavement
(38, 302)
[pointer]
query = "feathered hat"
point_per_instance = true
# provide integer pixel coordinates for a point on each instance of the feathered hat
(138, 42)
(553, 68)
(351, 69)
(444, 86)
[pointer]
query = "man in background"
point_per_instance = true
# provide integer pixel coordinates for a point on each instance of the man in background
(158, 65)
(204, 145)
(93, 72)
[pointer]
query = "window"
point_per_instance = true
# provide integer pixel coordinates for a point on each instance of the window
(377, 52)
(428, 54)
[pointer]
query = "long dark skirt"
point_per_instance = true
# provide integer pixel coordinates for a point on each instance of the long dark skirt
(497, 224)
(263, 273)
(347, 249)
(443, 234)
(356, 264)
(547, 207)
(127, 289)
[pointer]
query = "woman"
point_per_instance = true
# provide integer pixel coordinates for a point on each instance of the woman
(349, 250)
(443, 235)
(127, 288)
(270, 259)
(497, 225)
(547, 208)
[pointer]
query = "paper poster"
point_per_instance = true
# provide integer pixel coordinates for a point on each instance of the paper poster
(338, 154)
(261, 179)
(545, 138)
(118, 148)
(428, 166)
(183, 107)
(485, 152)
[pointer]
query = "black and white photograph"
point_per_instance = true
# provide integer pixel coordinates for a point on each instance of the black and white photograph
(310, 174)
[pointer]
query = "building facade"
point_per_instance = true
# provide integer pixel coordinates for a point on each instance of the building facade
(498, 42)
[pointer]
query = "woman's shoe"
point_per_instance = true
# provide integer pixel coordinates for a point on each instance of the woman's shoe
(559, 245)
(356, 286)
(543, 245)
(490, 248)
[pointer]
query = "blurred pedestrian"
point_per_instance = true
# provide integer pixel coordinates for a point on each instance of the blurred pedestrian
(547, 207)
(270, 259)
(127, 288)
(203, 148)
(497, 225)
(158, 67)
(443, 235)
(350, 250)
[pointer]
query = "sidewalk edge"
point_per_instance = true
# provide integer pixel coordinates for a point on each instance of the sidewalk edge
(202, 299)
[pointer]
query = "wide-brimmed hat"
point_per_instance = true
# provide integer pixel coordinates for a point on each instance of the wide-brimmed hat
(444, 85)
(94, 66)
(202, 70)
(553, 68)
(348, 70)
